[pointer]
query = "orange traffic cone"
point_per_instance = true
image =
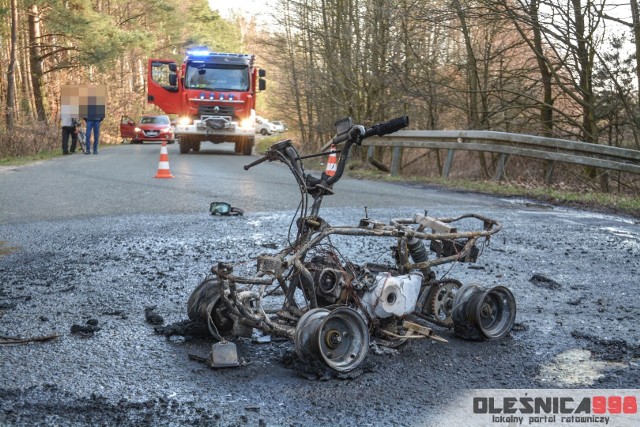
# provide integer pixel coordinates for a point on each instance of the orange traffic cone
(332, 162)
(163, 167)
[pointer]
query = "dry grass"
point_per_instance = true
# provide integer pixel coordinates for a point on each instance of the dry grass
(29, 140)
(570, 189)
(38, 141)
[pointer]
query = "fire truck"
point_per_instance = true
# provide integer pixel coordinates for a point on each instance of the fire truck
(214, 95)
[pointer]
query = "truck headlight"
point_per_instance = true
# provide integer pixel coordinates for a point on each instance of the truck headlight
(184, 121)
(246, 123)
(138, 130)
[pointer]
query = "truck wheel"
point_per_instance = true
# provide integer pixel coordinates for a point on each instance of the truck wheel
(185, 144)
(247, 146)
(195, 145)
(240, 143)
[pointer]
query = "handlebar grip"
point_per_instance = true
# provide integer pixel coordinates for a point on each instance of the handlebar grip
(386, 128)
(257, 162)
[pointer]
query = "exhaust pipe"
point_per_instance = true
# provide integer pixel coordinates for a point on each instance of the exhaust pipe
(479, 313)
(338, 338)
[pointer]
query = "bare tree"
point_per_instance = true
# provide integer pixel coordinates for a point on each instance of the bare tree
(36, 63)
(11, 89)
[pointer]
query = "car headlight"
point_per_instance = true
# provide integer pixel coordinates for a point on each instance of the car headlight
(166, 129)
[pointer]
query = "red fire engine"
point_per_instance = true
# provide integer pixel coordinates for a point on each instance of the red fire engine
(214, 95)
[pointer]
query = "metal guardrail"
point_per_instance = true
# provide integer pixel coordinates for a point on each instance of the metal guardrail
(505, 144)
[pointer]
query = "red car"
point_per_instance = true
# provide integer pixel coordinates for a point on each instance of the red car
(149, 128)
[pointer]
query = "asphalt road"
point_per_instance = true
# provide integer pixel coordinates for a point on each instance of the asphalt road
(95, 238)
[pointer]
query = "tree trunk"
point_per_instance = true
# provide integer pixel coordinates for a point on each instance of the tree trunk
(473, 82)
(35, 60)
(11, 90)
(636, 36)
(546, 109)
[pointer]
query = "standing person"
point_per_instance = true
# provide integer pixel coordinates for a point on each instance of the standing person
(69, 128)
(93, 126)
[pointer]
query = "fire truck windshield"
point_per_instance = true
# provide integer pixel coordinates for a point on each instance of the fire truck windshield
(216, 77)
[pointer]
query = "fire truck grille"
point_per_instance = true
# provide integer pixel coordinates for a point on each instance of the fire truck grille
(211, 110)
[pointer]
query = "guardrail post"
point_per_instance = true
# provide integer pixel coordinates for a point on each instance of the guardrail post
(548, 172)
(396, 159)
(502, 160)
(370, 151)
(447, 164)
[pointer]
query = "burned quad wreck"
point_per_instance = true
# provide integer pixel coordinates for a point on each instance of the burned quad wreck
(332, 308)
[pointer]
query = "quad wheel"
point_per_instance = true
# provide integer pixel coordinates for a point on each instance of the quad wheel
(338, 338)
(480, 313)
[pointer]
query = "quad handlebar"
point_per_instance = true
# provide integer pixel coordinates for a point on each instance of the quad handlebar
(386, 128)
(355, 134)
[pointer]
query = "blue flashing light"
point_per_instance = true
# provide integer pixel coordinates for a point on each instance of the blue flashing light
(211, 96)
(198, 52)
(221, 97)
(201, 95)
(230, 97)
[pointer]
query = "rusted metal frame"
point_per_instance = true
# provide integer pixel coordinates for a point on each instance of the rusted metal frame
(262, 321)
(399, 230)
(472, 237)
(382, 231)
(490, 225)
(390, 232)
(460, 256)
(306, 281)
(237, 309)
(255, 280)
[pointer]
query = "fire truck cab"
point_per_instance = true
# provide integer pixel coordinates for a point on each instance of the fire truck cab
(214, 95)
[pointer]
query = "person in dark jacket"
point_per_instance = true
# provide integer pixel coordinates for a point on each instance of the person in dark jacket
(69, 129)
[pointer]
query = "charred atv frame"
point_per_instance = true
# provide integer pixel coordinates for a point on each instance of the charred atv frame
(331, 307)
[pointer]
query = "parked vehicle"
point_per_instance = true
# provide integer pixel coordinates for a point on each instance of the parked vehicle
(330, 306)
(264, 126)
(279, 126)
(149, 128)
(213, 93)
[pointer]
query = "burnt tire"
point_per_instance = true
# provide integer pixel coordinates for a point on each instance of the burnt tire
(468, 331)
(205, 306)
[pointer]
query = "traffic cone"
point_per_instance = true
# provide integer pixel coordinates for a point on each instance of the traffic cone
(332, 162)
(163, 167)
